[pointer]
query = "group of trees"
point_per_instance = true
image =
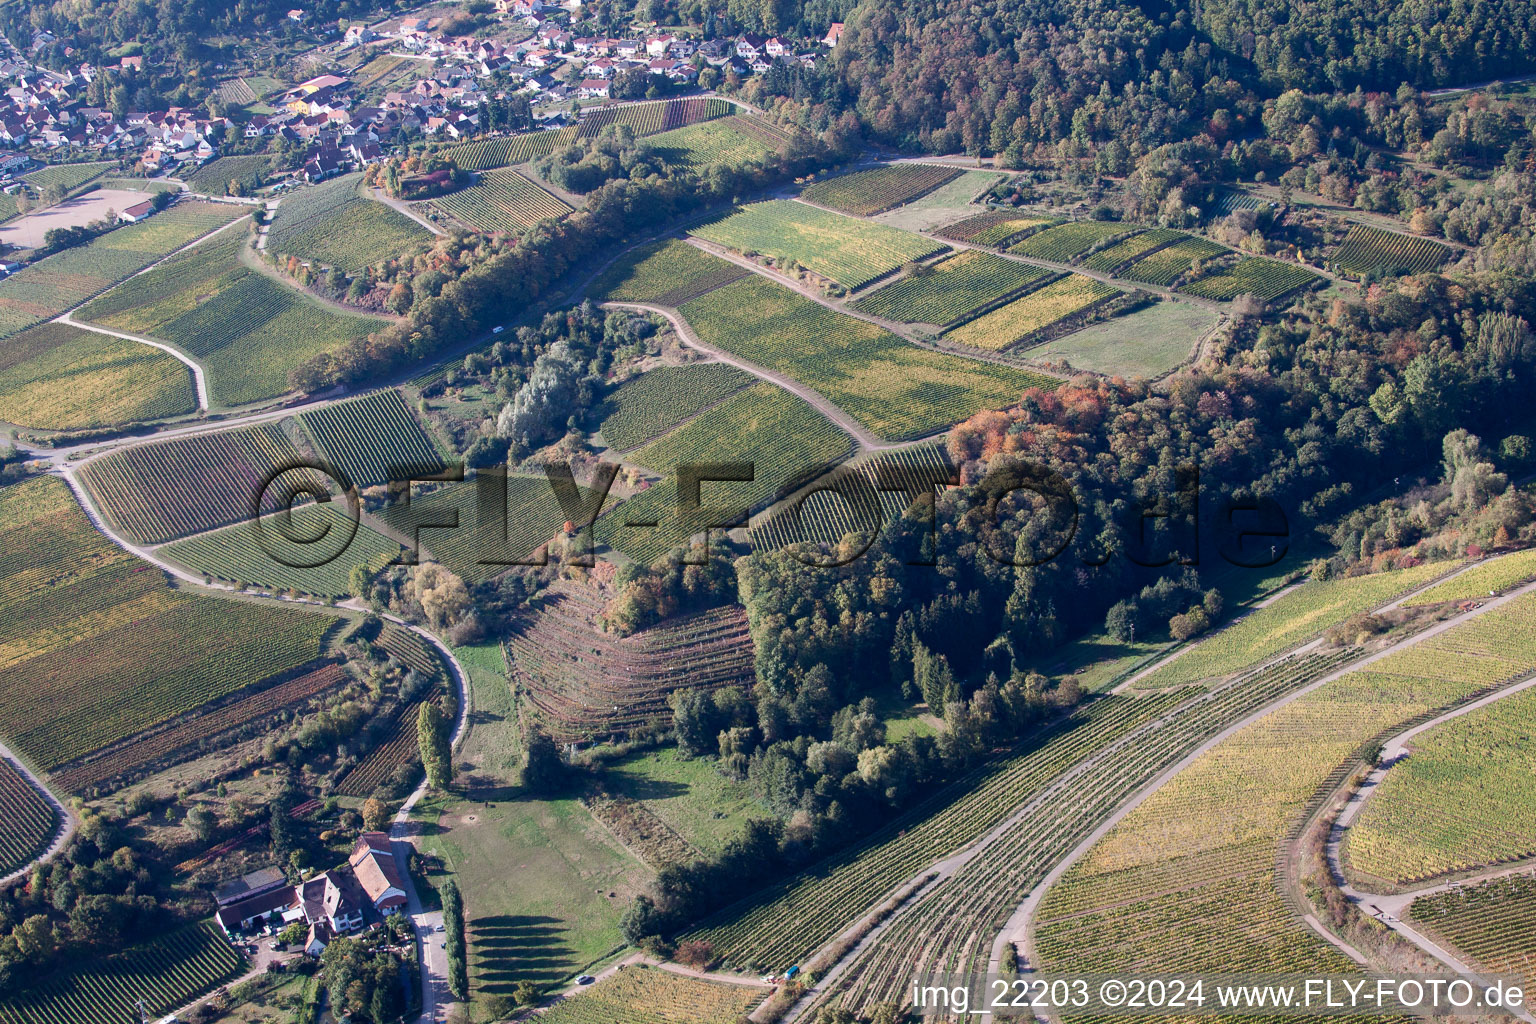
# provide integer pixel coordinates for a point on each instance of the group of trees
(453, 930)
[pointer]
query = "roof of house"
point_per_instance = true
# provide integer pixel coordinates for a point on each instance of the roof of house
(137, 210)
(247, 885)
(231, 914)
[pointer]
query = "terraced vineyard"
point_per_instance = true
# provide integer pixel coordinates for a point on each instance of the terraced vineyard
(334, 225)
(644, 995)
(866, 193)
(29, 820)
(1166, 266)
(1265, 278)
(583, 683)
(191, 734)
(238, 554)
(170, 489)
(373, 439)
(826, 517)
(247, 330)
(166, 973)
(1493, 924)
(484, 154)
(994, 228)
(1065, 242)
(1108, 260)
(58, 377)
(1366, 251)
(43, 290)
(897, 390)
(1465, 798)
(1288, 620)
(651, 118)
(666, 273)
(1493, 576)
(851, 252)
(946, 291)
(727, 141)
(1023, 317)
(502, 201)
(647, 406)
(1155, 894)
(777, 433)
(952, 927)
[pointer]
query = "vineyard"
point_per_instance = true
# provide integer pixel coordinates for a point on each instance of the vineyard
(779, 435)
(1265, 278)
(166, 973)
(666, 273)
(826, 518)
(1287, 621)
(1065, 242)
(170, 489)
(652, 118)
(502, 201)
(946, 291)
(1492, 924)
(333, 224)
(649, 405)
(204, 729)
(58, 377)
(485, 154)
(951, 927)
(896, 389)
(30, 820)
(485, 540)
(1494, 576)
(1465, 798)
(994, 228)
(1018, 320)
(1166, 266)
(247, 330)
(213, 178)
(397, 745)
(584, 683)
(644, 995)
(866, 193)
(727, 141)
(373, 439)
(43, 290)
(1107, 261)
(1368, 251)
(238, 554)
(851, 252)
(1157, 892)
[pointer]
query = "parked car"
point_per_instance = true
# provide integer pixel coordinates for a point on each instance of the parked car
(584, 979)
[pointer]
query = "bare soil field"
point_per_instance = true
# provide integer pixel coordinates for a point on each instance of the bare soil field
(28, 232)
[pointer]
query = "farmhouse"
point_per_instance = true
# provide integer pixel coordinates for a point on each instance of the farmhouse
(373, 862)
(136, 212)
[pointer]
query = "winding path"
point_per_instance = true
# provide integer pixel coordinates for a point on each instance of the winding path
(67, 820)
(199, 378)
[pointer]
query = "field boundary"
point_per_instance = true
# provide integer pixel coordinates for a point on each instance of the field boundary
(62, 832)
(199, 375)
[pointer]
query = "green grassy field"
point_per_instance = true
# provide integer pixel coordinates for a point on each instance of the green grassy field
(544, 886)
(849, 251)
(949, 289)
(896, 389)
(240, 554)
(58, 377)
(690, 794)
(647, 406)
(943, 205)
(666, 273)
(1145, 343)
(698, 146)
(648, 995)
(1464, 798)
(248, 330)
(334, 224)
